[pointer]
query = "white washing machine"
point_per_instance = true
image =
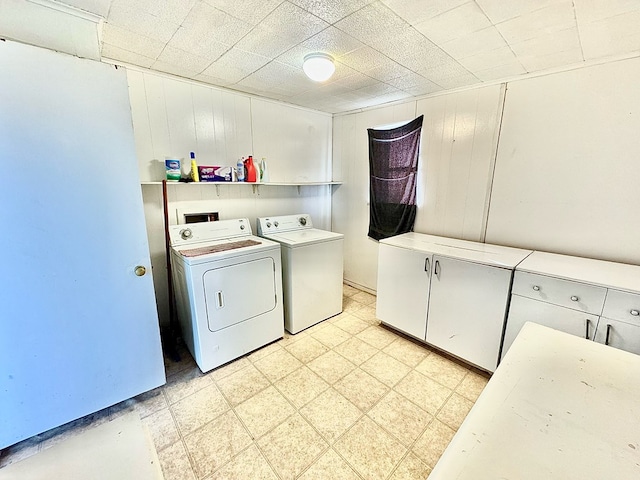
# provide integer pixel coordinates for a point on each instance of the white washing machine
(228, 286)
(312, 269)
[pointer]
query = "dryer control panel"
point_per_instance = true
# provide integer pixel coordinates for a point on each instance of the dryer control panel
(285, 223)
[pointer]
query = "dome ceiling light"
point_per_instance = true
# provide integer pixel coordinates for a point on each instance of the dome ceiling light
(318, 66)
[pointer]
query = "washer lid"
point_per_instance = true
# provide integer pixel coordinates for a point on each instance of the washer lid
(305, 237)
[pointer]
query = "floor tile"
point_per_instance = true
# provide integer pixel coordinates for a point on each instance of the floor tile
(264, 351)
(144, 404)
(348, 290)
(249, 465)
(371, 451)
(264, 411)
(242, 384)
(406, 351)
(433, 442)
(307, 349)
(454, 411)
(162, 428)
(442, 370)
(185, 383)
(367, 314)
(277, 365)
(331, 336)
(472, 385)
(350, 324)
(331, 414)
(175, 463)
(400, 417)
(385, 368)
(229, 368)
(172, 367)
(361, 389)
(203, 406)
(364, 298)
(424, 392)
(216, 443)
(356, 351)
(349, 305)
(411, 468)
(330, 466)
(376, 336)
(331, 366)
(292, 446)
(301, 386)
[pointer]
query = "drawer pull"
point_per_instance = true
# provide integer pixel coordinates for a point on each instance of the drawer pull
(536, 288)
(574, 298)
(635, 313)
(586, 325)
(606, 340)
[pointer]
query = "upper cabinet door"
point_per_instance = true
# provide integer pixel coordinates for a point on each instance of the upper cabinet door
(403, 289)
(467, 308)
(80, 328)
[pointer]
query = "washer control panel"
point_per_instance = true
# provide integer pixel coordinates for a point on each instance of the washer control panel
(286, 223)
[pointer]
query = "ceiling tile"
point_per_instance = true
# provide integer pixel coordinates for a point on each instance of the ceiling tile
(198, 43)
(363, 58)
(412, 80)
(279, 77)
(330, 40)
(331, 10)
(424, 89)
(212, 80)
(593, 10)
(185, 60)
(235, 64)
(474, 43)
(215, 25)
(130, 17)
(611, 36)
(534, 63)
(98, 7)
(492, 58)
(416, 11)
(174, 69)
(465, 19)
(116, 53)
(501, 72)
(546, 44)
(500, 10)
(551, 19)
(387, 71)
(356, 81)
(173, 11)
(374, 25)
(250, 11)
(136, 43)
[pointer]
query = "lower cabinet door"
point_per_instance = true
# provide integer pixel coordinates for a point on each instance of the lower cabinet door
(467, 308)
(403, 289)
(615, 333)
(566, 320)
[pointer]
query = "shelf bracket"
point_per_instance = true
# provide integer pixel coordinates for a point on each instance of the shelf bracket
(298, 189)
(218, 190)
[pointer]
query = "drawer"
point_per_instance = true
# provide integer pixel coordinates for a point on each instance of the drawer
(565, 293)
(622, 306)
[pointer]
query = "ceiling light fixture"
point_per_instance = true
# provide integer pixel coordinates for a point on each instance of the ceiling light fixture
(318, 66)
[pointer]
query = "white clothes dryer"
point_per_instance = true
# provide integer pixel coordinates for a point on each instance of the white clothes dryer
(312, 269)
(228, 286)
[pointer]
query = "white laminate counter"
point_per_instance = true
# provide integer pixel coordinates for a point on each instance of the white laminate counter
(558, 407)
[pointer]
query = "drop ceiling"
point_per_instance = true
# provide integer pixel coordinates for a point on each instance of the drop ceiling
(385, 50)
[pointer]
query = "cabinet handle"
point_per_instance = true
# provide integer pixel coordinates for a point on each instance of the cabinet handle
(635, 313)
(574, 298)
(436, 269)
(586, 333)
(536, 288)
(427, 265)
(606, 340)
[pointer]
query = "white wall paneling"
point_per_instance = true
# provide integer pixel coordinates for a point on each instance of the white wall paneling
(173, 117)
(567, 164)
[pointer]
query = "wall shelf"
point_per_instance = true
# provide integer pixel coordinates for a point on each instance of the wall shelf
(255, 185)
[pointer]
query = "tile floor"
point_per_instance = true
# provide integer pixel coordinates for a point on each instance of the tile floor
(345, 399)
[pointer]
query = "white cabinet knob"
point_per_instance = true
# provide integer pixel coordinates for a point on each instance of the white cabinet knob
(536, 288)
(635, 313)
(574, 298)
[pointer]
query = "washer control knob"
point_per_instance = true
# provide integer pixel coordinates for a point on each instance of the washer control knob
(268, 224)
(241, 227)
(536, 288)
(186, 234)
(275, 224)
(303, 221)
(635, 313)
(574, 298)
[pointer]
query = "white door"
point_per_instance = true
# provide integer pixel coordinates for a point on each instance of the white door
(79, 329)
(403, 289)
(467, 307)
(522, 310)
(625, 336)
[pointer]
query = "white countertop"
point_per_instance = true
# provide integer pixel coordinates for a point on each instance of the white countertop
(484, 253)
(558, 407)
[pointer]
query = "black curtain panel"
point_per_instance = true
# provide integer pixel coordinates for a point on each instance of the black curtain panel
(393, 167)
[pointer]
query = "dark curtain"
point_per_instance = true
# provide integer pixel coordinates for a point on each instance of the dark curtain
(393, 167)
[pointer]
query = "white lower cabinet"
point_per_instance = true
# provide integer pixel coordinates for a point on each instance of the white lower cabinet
(450, 293)
(593, 299)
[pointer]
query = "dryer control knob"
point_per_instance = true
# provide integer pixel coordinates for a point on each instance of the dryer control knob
(268, 224)
(186, 233)
(241, 227)
(275, 224)
(303, 221)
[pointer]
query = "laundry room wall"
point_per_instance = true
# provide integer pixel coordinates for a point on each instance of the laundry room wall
(554, 172)
(172, 117)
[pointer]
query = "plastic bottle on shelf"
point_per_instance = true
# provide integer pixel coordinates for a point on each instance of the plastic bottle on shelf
(240, 170)
(264, 173)
(194, 168)
(251, 170)
(256, 166)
